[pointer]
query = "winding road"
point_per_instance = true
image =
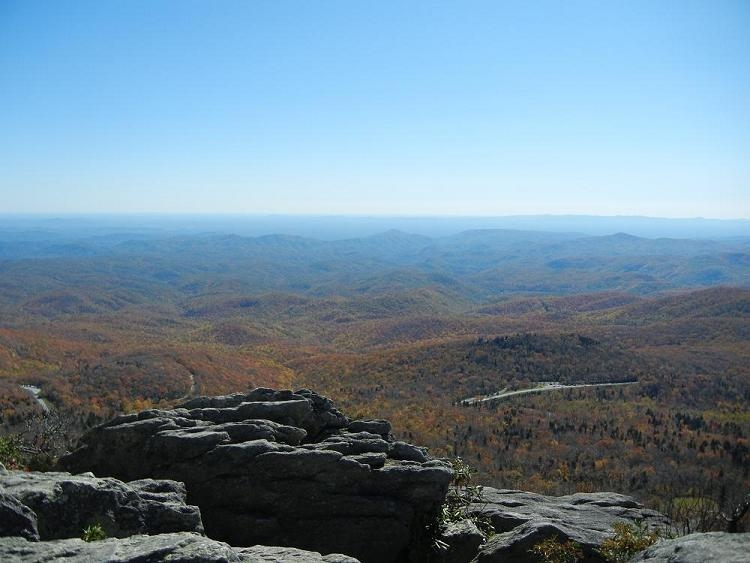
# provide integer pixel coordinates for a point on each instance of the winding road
(546, 386)
(35, 393)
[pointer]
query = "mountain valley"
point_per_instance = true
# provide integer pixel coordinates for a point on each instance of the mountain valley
(404, 327)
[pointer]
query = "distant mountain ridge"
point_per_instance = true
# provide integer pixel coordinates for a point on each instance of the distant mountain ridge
(338, 227)
(472, 266)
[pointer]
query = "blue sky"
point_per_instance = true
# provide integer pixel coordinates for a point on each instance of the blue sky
(393, 108)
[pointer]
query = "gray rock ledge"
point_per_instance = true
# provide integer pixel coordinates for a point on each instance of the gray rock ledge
(279, 468)
(173, 548)
(699, 548)
(524, 519)
(62, 505)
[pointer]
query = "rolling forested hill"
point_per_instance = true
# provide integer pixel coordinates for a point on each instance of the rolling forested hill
(404, 326)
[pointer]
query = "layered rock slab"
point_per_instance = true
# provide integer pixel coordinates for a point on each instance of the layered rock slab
(699, 548)
(60, 505)
(175, 548)
(279, 468)
(524, 519)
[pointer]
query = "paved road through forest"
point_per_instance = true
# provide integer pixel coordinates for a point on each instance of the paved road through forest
(546, 386)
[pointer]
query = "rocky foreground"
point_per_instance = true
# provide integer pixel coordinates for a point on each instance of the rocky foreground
(523, 519)
(281, 476)
(279, 468)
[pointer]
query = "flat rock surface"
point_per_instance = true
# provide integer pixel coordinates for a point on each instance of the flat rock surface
(174, 548)
(699, 548)
(524, 519)
(62, 505)
(279, 468)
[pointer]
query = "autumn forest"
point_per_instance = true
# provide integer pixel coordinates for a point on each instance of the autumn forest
(551, 362)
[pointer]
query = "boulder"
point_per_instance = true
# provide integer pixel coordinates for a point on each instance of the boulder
(380, 427)
(279, 468)
(524, 519)
(461, 541)
(176, 548)
(62, 505)
(699, 548)
(16, 519)
(407, 452)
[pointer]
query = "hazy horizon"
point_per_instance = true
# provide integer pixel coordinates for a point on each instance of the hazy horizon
(333, 227)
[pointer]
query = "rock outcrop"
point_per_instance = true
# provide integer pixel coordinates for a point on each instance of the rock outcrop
(176, 548)
(699, 548)
(61, 505)
(279, 468)
(284, 469)
(524, 519)
(42, 516)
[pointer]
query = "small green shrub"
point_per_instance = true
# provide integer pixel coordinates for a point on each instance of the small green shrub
(628, 540)
(552, 550)
(461, 495)
(93, 532)
(11, 455)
